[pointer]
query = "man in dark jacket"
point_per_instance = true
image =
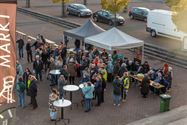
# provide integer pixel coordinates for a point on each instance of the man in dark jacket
(20, 47)
(29, 50)
(37, 67)
(33, 91)
(144, 87)
(98, 90)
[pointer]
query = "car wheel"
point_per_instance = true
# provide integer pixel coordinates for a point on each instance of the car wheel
(153, 33)
(131, 17)
(79, 14)
(111, 23)
(95, 19)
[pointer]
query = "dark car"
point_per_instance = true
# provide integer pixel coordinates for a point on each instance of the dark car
(107, 17)
(139, 13)
(78, 9)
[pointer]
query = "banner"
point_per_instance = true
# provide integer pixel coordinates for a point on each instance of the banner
(7, 60)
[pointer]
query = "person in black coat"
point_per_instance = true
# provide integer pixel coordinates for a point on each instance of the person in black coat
(98, 90)
(103, 89)
(37, 67)
(20, 47)
(29, 51)
(33, 91)
(144, 87)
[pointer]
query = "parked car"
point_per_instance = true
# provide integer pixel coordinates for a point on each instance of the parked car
(159, 22)
(139, 13)
(107, 17)
(78, 9)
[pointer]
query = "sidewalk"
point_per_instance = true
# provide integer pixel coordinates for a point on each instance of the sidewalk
(176, 116)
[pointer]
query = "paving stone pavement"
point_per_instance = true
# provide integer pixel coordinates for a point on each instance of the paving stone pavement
(134, 109)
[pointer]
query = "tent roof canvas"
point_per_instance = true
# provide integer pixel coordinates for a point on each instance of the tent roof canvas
(86, 30)
(114, 39)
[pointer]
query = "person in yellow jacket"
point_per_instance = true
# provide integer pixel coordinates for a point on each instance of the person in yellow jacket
(125, 86)
(104, 72)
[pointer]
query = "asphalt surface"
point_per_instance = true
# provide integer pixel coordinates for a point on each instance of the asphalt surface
(135, 28)
(134, 109)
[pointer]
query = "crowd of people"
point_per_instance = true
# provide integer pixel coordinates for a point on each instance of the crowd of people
(93, 68)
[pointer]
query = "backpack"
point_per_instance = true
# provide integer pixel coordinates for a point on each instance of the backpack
(22, 87)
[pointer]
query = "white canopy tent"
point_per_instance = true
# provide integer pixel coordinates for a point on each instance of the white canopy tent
(115, 39)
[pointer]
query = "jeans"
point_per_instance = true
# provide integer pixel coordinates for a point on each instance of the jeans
(87, 104)
(116, 99)
(21, 99)
(20, 52)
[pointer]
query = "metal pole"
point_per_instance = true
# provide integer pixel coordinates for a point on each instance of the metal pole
(142, 54)
(63, 9)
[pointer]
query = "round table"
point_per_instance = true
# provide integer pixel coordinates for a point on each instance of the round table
(62, 104)
(83, 84)
(71, 88)
(55, 73)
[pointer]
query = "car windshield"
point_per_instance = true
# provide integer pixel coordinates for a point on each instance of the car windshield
(81, 7)
(107, 13)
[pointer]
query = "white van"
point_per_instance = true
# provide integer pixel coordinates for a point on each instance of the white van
(159, 22)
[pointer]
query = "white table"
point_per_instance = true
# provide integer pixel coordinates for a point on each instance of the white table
(83, 84)
(55, 73)
(62, 104)
(71, 88)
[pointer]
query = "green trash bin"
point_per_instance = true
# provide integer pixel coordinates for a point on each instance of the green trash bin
(164, 102)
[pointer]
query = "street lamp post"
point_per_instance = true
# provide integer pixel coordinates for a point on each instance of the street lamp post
(63, 8)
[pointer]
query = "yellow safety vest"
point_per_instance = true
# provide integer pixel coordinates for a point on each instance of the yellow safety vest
(105, 75)
(126, 83)
(28, 83)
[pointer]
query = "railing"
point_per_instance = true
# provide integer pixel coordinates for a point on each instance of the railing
(25, 37)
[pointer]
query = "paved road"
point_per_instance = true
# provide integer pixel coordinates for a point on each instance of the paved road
(134, 109)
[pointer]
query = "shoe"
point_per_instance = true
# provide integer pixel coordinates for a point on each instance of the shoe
(124, 100)
(114, 104)
(118, 105)
(97, 105)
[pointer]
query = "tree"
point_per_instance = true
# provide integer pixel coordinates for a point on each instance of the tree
(114, 6)
(27, 3)
(63, 2)
(179, 7)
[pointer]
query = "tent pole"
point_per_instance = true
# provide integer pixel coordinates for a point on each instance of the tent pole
(142, 54)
